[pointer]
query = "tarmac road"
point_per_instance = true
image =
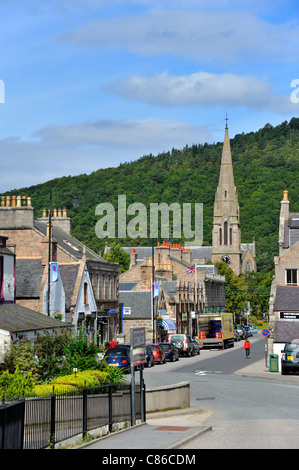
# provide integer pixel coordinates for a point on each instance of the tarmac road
(245, 408)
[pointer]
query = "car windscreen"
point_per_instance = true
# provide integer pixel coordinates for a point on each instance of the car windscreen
(118, 352)
(177, 338)
(291, 347)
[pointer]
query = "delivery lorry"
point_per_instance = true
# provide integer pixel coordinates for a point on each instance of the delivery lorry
(216, 330)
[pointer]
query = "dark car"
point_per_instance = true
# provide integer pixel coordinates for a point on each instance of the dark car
(159, 353)
(196, 345)
(290, 357)
(183, 343)
(171, 352)
(150, 359)
(119, 356)
(248, 331)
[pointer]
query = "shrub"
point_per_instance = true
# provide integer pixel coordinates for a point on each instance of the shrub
(16, 384)
(47, 389)
(91, 378)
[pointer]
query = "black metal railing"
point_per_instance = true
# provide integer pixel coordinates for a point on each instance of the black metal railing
(45, 421)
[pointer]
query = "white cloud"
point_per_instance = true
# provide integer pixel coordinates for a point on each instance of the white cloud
(56, 151)
(202, 88)
(203, 36)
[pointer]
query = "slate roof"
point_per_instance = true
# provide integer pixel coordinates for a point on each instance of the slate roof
(69, 274)
(291, 230)
(28, 277)
(139, 301)
(14, 317)
(68, 243)
(286, 330)
(287, 298)
(196, 251)
(124, 286)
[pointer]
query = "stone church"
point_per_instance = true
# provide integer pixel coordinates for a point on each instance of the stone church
(226, 235)
(227, 244)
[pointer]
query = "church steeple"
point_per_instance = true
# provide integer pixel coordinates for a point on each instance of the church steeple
(226, 223)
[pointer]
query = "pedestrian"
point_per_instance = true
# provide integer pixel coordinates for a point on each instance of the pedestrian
(247, 346)
(113, 343)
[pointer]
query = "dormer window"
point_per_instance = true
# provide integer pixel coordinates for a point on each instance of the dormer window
(291, 277)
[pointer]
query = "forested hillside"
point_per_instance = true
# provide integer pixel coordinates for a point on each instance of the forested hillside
(265, 163)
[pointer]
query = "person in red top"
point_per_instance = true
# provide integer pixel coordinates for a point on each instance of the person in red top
(247, 346)
(113, 343)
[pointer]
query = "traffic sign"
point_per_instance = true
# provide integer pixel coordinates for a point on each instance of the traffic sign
(266, 332)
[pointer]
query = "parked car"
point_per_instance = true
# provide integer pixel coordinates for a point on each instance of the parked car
(196, 345)
(171, 351)
(237, 336)
(290, 357)
(150, 359)
(183, 343)
(119, 356)
(253, 329)
(248, 331)
(241, 331)
(159, 353)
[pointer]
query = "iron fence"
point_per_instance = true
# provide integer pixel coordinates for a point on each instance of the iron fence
(45, 421)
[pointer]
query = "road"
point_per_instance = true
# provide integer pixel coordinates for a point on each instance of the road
(245, 413)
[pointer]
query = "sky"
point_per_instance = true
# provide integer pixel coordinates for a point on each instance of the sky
(89, 84)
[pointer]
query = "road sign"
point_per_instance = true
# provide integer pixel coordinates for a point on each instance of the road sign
(266, 332)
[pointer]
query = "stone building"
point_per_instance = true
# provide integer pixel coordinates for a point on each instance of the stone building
(227, 244)
(90, 284)
(284, 296)
(180, 296)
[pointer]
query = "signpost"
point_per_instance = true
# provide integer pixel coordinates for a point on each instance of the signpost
(137, 358)
(266, 334)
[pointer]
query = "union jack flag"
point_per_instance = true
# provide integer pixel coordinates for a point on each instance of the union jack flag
(191, 269)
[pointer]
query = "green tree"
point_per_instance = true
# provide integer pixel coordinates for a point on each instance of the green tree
(236, 295)
(259, 285)
(118, 255)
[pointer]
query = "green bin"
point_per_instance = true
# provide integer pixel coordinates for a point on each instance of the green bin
(274, 363)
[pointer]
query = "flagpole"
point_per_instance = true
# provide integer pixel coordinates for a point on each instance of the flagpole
(49, 251)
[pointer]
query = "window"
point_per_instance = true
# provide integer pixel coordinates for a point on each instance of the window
(220, 236)
(230, 236)
(225, 233)
(103, 286)
(85, 293)
(291, 277)
(248, 266)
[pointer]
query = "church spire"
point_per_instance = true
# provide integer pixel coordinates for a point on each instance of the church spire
(226, 223)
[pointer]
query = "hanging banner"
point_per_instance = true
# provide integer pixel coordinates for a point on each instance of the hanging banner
(54, 272)
(156, 289)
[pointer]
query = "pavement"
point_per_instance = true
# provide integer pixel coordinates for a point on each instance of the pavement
(173, 429)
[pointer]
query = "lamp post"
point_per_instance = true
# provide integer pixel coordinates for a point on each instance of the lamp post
(49, 250)
(153, 291)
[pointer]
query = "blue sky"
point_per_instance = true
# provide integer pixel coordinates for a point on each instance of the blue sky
(88, 84)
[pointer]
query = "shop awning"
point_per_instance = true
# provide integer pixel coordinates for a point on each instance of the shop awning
(169, 324)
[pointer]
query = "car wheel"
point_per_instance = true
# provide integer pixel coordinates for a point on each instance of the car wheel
(149, 364)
